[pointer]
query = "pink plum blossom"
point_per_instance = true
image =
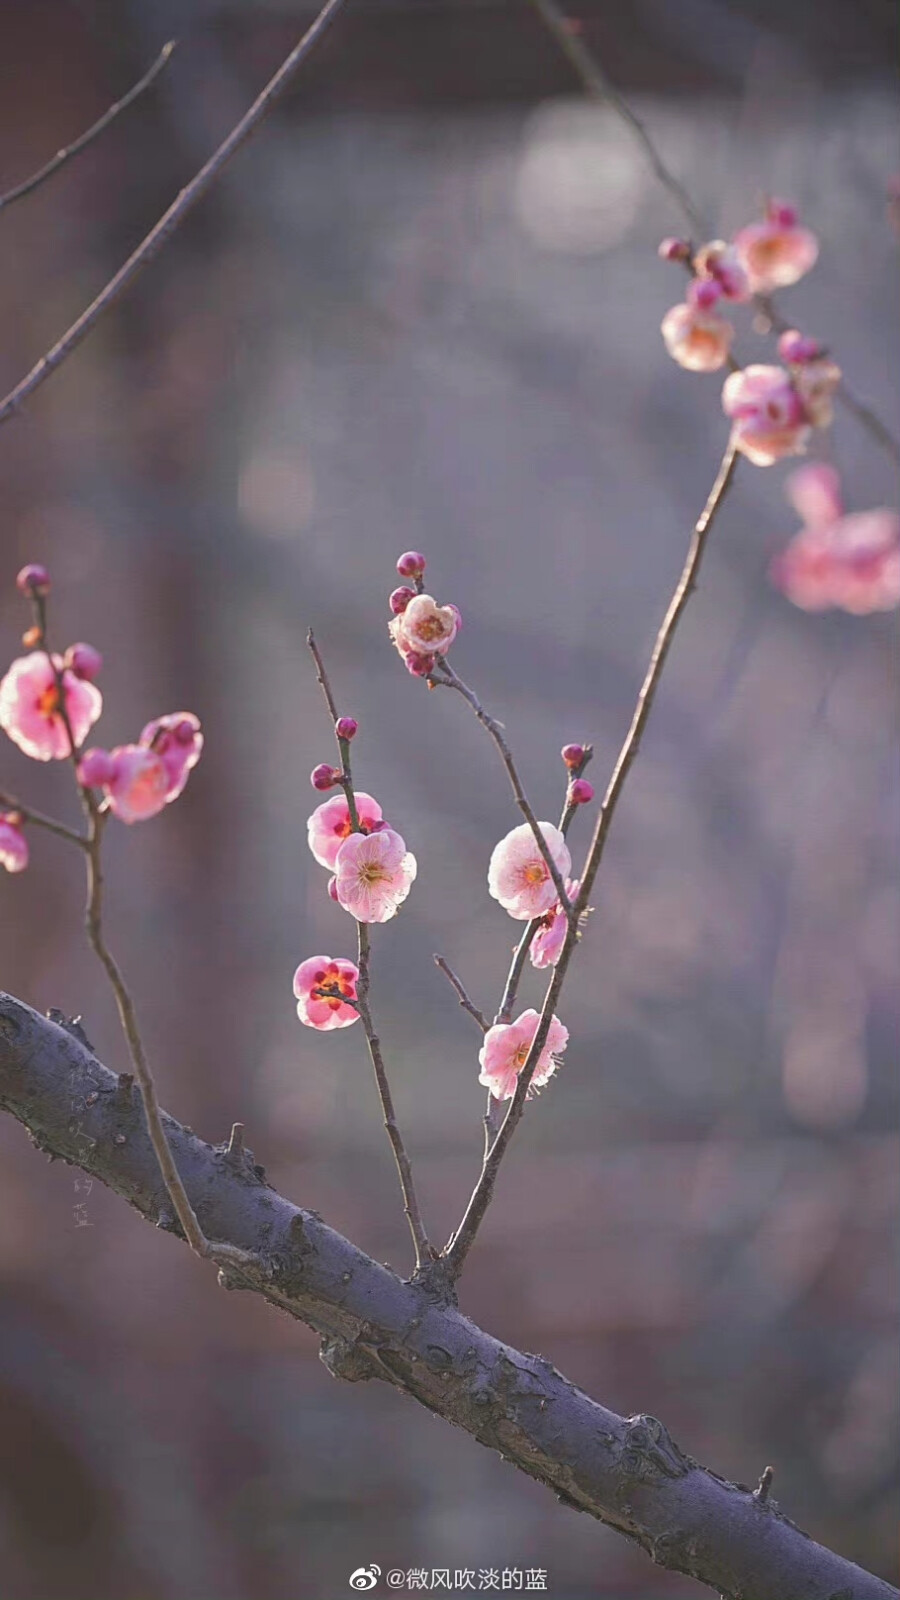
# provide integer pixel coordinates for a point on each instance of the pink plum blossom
(720, 262)
(518, 875)
(30, 707)
(768, 415)
(330, 825)
(505, 1051)
(373, 875)
(424, 627)
(326, 1010)
(816, 383)
(776, 252)
(138, 784)
(697, 339)
(13, 843)
(546, 946)
(850, 562)
(177, 739)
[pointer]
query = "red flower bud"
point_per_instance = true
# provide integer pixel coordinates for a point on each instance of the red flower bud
(411, 564)
(400, 599)
(581, 792)
(84, 661)
(33, 580)
(573, 754)
(323, 776)
(346, 727)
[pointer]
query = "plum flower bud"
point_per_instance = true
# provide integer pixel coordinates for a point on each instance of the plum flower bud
(84, 661)
(573, 754)
(717, 262)
(400, 598)
(581, 793)
(330, 825)
(769, 418)
(13, 843)
(346, 728)
(95, 768)
(506, 1048)
(518, 875)
(374, 875)
(699, 340)
(322, 987)
(674, 250)
(425, 628)
(323, 776)
(411, 564)
(796, 349)
(30, 707)
(776, 252)
(703, 293)
(33, 581)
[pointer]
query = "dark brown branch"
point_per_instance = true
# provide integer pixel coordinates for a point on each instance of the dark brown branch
(38, 820)
(463, 998)
(627, 1472)
(92, 133)
(172, 218)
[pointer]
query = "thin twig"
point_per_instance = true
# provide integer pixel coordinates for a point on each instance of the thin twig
(599, 86)
(28, 814)
(423, 1249)
(172, 218)
(70, 150)
(463, 998)
(450, 680)
(461, 1242)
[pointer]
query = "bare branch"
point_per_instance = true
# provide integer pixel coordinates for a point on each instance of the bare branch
(626, 1471)
(463, 998)
(92, 133)
(37, 818)
(172, 218)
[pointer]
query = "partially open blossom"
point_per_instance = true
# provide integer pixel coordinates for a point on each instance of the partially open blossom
(776, 252)
(13, 843)
(848, 562)
(425, 628)
(324, 776)
(697, 339)
(330, 825)
(518, 875)
(33, 580)
(769, 417)
(84, 661)
(137, 786)
(546, 946)
(505, 1051)
(30, 707)
(177, 738)
(374, 873)
(720, 262)
(319, 984)
(816, 383)
(411, 564)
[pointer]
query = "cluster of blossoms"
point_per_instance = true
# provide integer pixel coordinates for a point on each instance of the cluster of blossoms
(773, 409)
(48, 705)
(421, 630)
(847, 561)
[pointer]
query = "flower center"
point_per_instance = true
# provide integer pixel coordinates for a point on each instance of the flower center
(535, 872)
(432, 628)
(373, 872)
(521, 1056)
(48, 701)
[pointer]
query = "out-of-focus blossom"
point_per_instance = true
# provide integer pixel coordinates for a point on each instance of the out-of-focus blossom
(95, 768)
(138, 780)
(816, 383)
(518, 875)
(373, 875)
(697, 339)
(546, 946)
(424, 628)
(777, 251)
(721, 262)
(769, 419)
(137, 785)
(850, 562)
(33, 580)
(84, 661)
(505, 1051)
(674, 250)
(178, 740)
(13, 843)
(330, 825)
(319, 984)
(796, 348)
(30, 707)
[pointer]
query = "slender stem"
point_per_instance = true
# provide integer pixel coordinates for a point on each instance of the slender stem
(465, 1002)
(461, 1242)
(450, 680)
(172, 218)
(599, 86)
(424, 1252)
(28, 814)
(86, 138)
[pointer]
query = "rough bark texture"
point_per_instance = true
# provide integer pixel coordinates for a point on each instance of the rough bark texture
(627, 1472)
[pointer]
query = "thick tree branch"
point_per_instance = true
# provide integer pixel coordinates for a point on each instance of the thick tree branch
(627, 1472)
(171, 219)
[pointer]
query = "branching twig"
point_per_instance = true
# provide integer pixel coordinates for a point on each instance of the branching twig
(86, 138)
(424, 1252)
(171, 219)
(598, 85)
(37, 818)
(461, 1242)
(465, 1002)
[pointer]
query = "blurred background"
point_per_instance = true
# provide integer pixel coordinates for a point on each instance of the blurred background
(422, 309)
